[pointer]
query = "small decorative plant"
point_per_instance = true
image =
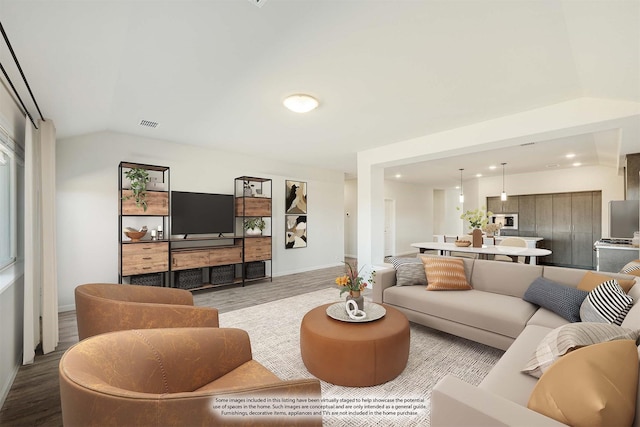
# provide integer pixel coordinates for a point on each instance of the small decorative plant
(139, 179)
(492, 228)
(352, 281)
(253, 223)
(478, 218)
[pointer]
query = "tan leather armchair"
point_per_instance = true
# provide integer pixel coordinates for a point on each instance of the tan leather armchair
(171, 377)
(107, 307)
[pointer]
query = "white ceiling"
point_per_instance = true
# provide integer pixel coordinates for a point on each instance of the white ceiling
(214, 73)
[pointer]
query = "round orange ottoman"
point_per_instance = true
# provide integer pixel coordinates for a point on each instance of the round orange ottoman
(354, 354)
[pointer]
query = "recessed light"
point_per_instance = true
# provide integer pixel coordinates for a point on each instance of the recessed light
(570, 156)
(576, 164)
(398, 175)
(300, 103)
(492, 167)
(478, 175)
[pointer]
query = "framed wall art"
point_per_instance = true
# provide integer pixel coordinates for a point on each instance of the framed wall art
(296, 197)
(296, 231)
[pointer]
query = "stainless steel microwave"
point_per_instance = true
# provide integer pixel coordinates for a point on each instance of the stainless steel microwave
(509, 221)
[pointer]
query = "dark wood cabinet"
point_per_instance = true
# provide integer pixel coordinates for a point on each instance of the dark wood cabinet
(568, 222)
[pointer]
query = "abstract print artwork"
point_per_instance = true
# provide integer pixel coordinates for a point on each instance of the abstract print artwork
(296, 197)
(296, 231)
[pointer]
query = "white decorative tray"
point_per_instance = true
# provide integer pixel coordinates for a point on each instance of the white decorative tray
(339, 312)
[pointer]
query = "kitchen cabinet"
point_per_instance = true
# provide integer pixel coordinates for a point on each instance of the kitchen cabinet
(544, 224)
(527, 216)
(495, 205)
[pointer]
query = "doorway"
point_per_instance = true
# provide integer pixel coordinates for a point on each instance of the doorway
(389, 227)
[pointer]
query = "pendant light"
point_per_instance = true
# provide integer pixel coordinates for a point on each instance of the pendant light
(461, 192)
(503, 195)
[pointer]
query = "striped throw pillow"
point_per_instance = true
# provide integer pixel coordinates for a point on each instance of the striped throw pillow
(445, 274)
(569, 337)
(607, 303)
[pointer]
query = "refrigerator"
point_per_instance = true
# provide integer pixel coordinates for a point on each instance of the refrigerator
(624, 217)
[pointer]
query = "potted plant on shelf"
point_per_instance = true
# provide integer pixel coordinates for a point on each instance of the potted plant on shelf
(139, 179)
(254, 226)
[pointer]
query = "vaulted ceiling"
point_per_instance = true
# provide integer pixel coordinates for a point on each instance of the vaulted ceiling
(214, 73)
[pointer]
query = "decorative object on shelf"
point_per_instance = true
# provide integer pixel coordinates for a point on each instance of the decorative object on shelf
(354, 283)
(254, 226)
(296, 231)
(247, 189)
(160, 233)
(139, 178)
(462, 243)
(296, 197)
(477, 218)
(135, 235)
(477, 238)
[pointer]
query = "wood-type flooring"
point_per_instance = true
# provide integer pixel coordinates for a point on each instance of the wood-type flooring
(34, 398)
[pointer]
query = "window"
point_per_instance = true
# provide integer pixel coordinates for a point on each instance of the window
(11, 165)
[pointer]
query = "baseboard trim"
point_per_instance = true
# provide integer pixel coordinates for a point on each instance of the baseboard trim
(6, 388)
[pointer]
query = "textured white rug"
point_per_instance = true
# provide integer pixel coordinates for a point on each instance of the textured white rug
(274, 329)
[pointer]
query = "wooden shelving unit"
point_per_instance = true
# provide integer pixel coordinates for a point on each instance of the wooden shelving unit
(253, 200)
(145, 261)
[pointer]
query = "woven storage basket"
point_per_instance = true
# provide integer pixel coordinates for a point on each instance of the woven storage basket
(254, 270)
(222, 274)
(189, 279)
(151, 279)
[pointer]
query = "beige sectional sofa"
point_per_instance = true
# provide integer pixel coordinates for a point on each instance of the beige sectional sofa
(492, 313)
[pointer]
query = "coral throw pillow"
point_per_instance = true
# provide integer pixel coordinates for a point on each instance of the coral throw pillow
(445, 274)
(591, 280)
(591, 386)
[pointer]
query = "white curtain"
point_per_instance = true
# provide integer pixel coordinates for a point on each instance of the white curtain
(40, 278)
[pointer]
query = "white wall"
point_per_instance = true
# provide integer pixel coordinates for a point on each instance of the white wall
(414, 215)
(351, 218)
(87, 202)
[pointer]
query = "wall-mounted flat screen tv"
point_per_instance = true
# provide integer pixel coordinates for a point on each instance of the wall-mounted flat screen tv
(201, 213)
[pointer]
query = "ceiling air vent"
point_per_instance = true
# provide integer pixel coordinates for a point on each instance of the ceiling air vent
(527, 143)
(148, 123)
(258, 3)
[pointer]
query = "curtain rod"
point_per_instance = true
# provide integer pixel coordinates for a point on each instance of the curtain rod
(6, 76)
(24, 78)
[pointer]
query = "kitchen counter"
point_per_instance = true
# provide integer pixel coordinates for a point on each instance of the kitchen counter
(612, 257)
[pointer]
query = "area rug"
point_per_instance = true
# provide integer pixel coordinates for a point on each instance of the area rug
(274, 330)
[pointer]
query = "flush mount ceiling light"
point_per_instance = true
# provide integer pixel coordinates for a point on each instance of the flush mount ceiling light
(300, 103)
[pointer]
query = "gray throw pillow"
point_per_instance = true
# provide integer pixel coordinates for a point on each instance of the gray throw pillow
(411, 274)
(562, 300)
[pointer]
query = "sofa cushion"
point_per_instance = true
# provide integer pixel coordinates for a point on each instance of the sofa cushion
(632, 320)
(547, 318)
(507, 278)
(562, 300)
(591, 280)
(505, 378)
(445, 274)
(607, 303)
(561, 340)
(605, 378)
(497, 313)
